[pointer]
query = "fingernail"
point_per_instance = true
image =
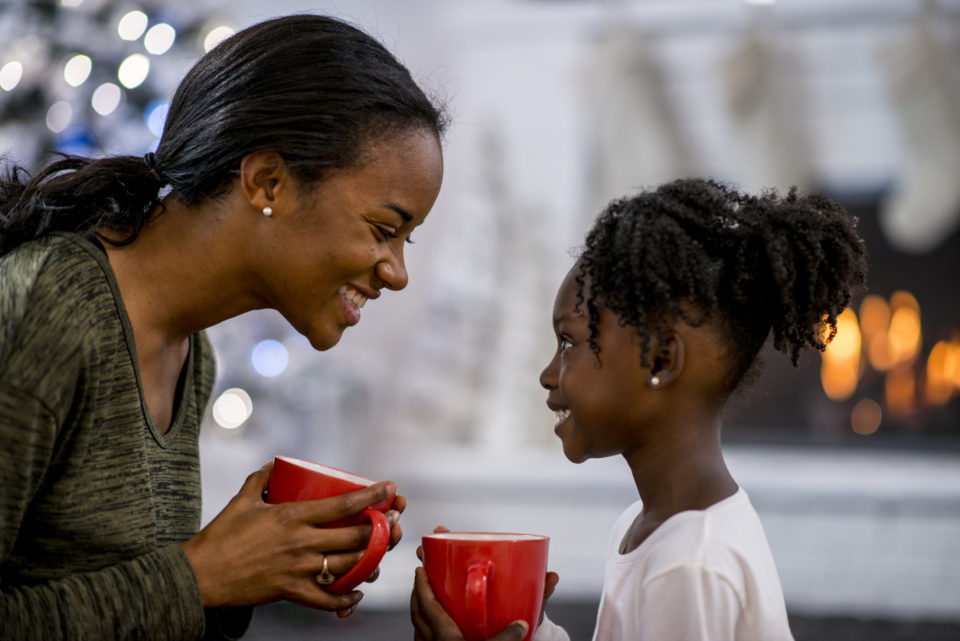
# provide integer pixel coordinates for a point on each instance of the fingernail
(523, 625)
(393, 516)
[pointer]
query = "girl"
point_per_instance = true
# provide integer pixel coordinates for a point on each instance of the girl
(296, 159)
(657, 323)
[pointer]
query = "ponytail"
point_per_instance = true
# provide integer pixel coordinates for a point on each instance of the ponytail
(78, 195)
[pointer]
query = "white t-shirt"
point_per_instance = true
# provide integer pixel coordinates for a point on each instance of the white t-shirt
(702, 575)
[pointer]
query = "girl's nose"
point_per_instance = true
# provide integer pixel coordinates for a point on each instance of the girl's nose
(548, 377)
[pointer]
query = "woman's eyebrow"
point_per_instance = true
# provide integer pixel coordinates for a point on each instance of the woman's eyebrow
(400, 210)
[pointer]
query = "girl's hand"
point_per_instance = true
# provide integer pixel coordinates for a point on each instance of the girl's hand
(254, 552)
(432, 623)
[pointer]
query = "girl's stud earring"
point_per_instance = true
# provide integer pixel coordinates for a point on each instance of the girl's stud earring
(654, 381)
(268, 211)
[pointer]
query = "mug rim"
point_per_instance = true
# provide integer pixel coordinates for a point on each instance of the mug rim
(326, 470)
(486, 537)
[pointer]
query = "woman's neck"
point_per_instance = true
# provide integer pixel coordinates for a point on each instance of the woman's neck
(179, 276)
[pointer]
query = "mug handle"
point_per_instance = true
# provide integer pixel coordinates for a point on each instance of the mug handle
(478, 578)
(376, 548)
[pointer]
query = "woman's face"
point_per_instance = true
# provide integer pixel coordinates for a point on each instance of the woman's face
(599, 404)
(344, 240)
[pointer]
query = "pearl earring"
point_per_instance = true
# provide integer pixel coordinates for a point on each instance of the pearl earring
(654, 381)
(268, 211)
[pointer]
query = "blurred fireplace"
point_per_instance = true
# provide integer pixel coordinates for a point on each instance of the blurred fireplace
(790, 406)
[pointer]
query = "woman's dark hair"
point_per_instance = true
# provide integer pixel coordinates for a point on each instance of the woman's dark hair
(314, 89)
(699, 251)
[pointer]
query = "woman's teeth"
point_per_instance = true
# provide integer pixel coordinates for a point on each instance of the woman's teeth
(562, 415)
(354, 297)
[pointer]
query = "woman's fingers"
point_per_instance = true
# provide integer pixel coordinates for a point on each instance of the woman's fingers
(320, 511)
(256, 484)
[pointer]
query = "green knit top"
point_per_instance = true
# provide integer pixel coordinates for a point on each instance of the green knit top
(94, 499)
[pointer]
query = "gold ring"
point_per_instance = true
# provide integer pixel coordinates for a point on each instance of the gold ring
(326, 577)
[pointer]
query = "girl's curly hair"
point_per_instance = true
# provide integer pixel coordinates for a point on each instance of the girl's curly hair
(700, 251)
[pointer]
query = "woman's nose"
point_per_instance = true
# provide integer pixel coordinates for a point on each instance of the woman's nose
(392, 271)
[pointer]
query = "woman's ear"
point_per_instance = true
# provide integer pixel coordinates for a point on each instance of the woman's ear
(263, 176)
(667, 361)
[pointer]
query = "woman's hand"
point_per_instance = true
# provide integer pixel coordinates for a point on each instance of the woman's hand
(432, 623)
(254, 552)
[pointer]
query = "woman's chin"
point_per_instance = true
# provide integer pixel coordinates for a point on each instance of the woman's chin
(322, 341)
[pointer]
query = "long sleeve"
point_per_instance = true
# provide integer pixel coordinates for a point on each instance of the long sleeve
(94, 499)
(144, 598)
(151, 596)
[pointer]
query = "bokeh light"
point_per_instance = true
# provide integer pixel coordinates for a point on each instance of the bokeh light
(232, 408)
(10, 75)
(132, 25)
(77, 70)
(269, 358)
(866, 417)
(155, 116)
(159, 38)
(59, 116)
(106, 98)
(133, 70)
(216, 36)
(840, 369)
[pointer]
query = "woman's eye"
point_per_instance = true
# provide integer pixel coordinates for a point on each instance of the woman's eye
(386, 232)
(564, 343)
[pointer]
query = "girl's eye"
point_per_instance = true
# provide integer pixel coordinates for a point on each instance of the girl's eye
(408, 240)
(565, 343)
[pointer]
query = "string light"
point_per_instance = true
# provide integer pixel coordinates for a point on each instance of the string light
(59, 115)
(159, 38)
(216, 36)
(77, 70)
(106, 98)
(10, 75)
(133, 70)
(132, 25)
(232, 408)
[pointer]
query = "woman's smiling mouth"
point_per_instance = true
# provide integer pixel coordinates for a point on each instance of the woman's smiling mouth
(353, 301)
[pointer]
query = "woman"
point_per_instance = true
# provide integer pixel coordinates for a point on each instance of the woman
(296, 159)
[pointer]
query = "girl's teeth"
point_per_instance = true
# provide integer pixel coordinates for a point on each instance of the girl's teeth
(562, 415)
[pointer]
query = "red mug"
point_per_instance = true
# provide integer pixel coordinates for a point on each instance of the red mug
(487, 580)
(296, 480)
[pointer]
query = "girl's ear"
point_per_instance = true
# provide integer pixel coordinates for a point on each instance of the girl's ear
(668, 359)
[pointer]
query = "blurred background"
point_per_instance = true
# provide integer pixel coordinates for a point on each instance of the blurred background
(852, 459)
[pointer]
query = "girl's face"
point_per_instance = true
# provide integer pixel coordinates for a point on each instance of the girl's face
(343, 241)
(599, 406)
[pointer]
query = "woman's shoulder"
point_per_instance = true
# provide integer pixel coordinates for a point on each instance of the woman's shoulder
(55, 286)
(56, 263)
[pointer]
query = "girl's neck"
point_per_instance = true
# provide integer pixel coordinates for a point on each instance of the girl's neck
(683, 472)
